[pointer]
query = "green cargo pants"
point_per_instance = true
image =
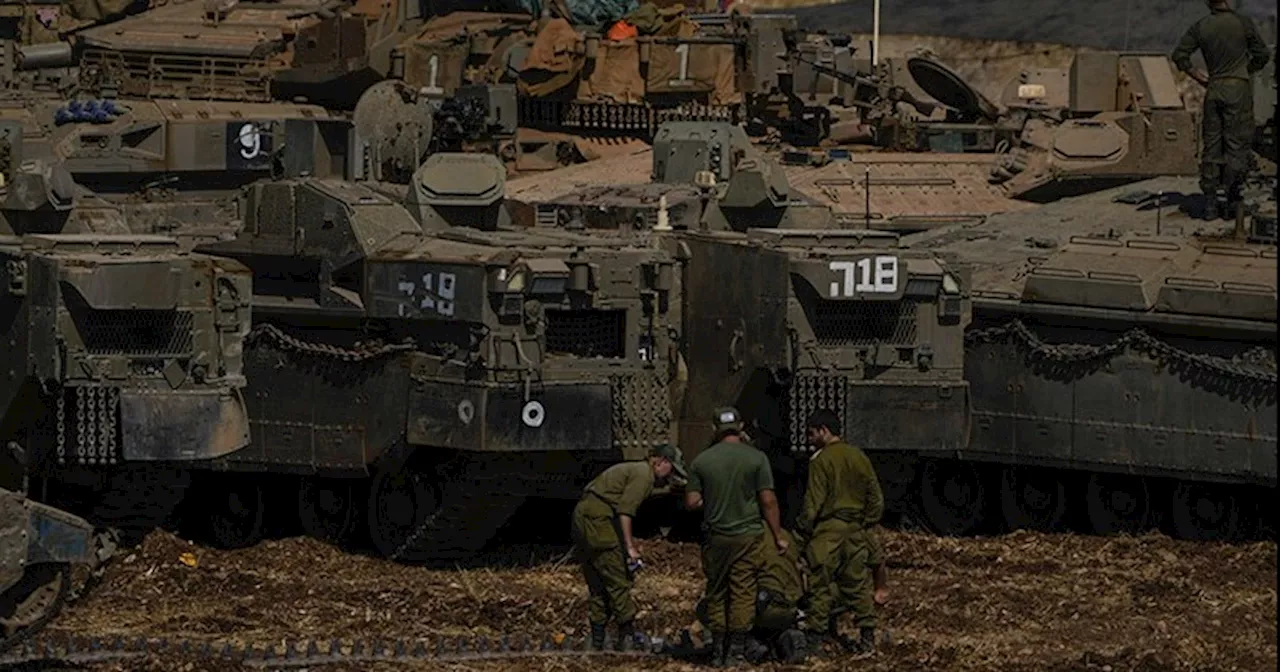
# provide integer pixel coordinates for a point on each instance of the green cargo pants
(732, 566)
(1226, 133)
(604, 563)
(840, 574)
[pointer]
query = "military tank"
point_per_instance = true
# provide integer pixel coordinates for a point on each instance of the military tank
(871, 330)
(1122, 366)
(124, 350)
(1082, 400)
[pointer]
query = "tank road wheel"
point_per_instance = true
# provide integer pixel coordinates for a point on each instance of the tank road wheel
(952, 497)
(1204, 512)
(235, 513)
(329, 508)
(33, 601)
(399, 503)
(1117, 504)
(1032, 499)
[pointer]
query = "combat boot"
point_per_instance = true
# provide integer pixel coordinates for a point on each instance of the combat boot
(737, 653)
(815, 643)
(715, 648)
(597, 636)
(865, 645)
(1211, 211)
(626, 636)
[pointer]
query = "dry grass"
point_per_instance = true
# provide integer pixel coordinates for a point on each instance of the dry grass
(1016, 602)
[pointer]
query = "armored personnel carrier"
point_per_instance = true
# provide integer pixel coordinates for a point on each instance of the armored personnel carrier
(124, 350)
(871, 330)
(1121, 363)
(1098, 418)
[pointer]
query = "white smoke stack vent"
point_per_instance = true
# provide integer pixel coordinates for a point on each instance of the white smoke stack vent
(663, 223)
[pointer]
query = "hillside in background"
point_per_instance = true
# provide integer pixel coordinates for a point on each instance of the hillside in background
(1146, 25)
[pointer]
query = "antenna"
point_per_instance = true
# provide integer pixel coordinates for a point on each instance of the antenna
(875, 33)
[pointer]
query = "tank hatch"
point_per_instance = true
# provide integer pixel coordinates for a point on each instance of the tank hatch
(461, 179)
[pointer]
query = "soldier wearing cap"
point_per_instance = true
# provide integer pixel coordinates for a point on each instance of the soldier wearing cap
(731, 482)
(1233, 51)
(842, 502)
(602, 535)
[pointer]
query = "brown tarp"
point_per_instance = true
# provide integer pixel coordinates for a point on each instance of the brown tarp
(451, 62)
(616, 74)
(708, 69)
(556, 58)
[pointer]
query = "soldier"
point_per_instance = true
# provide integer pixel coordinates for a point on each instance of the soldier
(1233, 50)
(842, 502)
(732, 484)
(602, 533)
(779, 589)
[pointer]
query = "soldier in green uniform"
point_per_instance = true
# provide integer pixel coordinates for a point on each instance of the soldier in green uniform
(842, 502)
(732, 483)
(1233, 50)
(602, 534)
(779, 588)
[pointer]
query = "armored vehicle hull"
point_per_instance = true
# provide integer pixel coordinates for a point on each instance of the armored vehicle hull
(1122, 365)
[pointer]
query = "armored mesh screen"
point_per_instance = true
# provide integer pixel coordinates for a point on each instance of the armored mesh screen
(135, 332)
(587, 333)
(864, 322)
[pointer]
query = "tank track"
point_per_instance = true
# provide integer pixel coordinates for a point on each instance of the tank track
(312, 652)
(27, 633)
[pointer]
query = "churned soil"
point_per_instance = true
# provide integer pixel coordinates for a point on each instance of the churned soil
(1022, 601)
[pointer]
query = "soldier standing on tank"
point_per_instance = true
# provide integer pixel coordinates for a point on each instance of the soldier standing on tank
(842, 502)
(602, 534)
(1233, 50)
(732, 483)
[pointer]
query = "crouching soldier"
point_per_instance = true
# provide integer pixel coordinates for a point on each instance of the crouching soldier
(602, 535)
(775, 633)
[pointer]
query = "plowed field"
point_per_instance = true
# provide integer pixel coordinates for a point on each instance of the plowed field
(1016, 602)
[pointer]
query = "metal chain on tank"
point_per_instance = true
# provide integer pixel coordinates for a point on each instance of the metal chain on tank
(1254, 367)
(61, 425)
(286, 342)
(113, 414)
(808, 393)
(81, 426)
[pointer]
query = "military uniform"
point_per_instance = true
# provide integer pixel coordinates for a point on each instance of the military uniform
(618, 491)
(1233, 50)
(729, 477)
(842, 503)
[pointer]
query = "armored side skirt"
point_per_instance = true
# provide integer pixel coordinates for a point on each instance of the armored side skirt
(492, 418)
(919, 417)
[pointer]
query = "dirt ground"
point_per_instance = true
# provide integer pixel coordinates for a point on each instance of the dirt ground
(1016, 602)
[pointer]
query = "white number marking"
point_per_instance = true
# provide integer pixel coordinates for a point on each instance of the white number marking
(683, 50)
(250, 142)
(433, 67)
(878, 275)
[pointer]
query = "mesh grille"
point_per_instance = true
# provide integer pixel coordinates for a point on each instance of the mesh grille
(864, 322)
(587, 333)
(174, 76)
(641, 410)
(136, 332)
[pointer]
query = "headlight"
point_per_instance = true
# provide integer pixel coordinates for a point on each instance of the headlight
(516, 280)
(949, 284)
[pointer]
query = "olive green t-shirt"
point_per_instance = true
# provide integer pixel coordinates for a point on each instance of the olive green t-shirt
(730, 476)
(624, 486)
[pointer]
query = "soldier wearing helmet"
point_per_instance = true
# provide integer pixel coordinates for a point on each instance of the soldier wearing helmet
(602, 535)
(732, 484)
(1233, 50)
